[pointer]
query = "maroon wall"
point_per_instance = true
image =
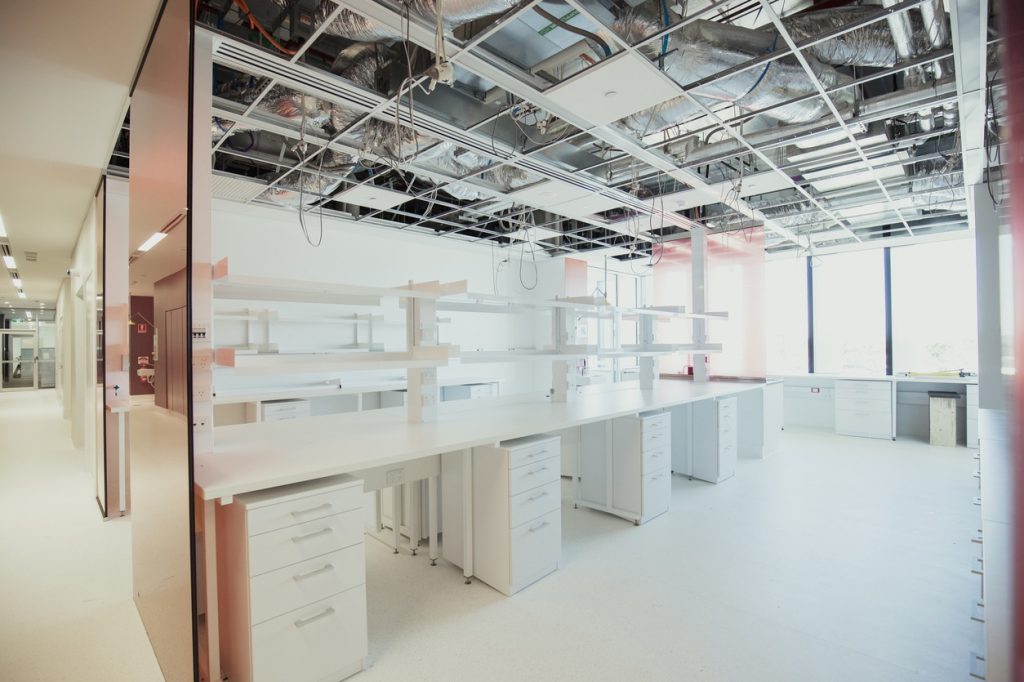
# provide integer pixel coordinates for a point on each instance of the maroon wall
(140, 341)
(172, 362)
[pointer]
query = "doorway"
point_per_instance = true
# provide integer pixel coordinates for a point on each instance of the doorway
(18, 360)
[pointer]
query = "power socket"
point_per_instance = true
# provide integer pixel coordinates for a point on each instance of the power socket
(201, 423)
(202, 358)
(201, 394)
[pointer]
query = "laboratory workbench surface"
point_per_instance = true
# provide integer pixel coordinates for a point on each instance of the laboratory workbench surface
(251, 457)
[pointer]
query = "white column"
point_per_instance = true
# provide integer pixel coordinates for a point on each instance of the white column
(648, 364)
(992, 386)
(562, 371)
(698, 246)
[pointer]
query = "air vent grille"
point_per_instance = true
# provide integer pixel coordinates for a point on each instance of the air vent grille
(31, 256)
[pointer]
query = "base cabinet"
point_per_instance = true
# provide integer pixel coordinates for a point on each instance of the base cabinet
(517, 512)
(714, 439)
(625, 466)
(292, 571)
(864, 408)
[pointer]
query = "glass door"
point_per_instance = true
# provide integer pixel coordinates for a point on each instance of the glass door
(17, 360)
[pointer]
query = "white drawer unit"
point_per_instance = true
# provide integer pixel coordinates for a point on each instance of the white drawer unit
(292, 571)
(714, 439)
(517, 512)
(626, 466)
(972, 415)
(283, 410)
(863, 407)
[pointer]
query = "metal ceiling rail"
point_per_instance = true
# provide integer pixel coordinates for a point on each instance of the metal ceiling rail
(486, 69)
(239, 55)
(730, 131)
(271, 83)
(784, 33)
(754, 62)
(884, 73)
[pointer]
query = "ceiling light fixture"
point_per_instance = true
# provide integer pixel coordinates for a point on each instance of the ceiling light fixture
(3, 230)
(21, 294)
(152, 241)
(17, 282)
(9, 262)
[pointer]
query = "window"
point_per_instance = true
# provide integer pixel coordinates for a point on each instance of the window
(934, 307)
(786, 315)
(849, 313)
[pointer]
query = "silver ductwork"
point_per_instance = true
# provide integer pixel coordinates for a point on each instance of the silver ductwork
(353, 26)
(288, 192)
(705, 48)
(935, 25)
(870, 45)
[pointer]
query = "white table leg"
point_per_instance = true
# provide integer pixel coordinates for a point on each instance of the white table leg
(432, 518)
(467, 515)
(396, 515)
(212, 612)
(415, 502)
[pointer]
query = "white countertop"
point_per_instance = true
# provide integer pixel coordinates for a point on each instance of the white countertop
(920, 379)
(251, 395)
(250, 457)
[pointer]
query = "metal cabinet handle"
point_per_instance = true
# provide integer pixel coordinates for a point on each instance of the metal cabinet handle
(303, 622)
(300, 512)
(536, 471)
(315, 533)
(310, 574)
(539, 526)
(531, 498)
(535, 453)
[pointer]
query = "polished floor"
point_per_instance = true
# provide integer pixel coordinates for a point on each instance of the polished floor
(840, 559)
(66, 609)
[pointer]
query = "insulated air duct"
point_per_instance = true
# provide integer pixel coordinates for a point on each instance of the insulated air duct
(455, 13)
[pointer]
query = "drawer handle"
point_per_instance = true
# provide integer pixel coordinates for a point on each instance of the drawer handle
(533, 498)
(535, 453)
(300, 512)
(540, 525)
(303, 622)
(307, 536)
(310, 574)
(536, 471)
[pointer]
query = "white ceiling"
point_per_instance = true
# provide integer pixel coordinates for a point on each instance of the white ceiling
(67, 69)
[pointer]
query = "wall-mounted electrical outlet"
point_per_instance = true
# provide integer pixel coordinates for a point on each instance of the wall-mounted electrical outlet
(201, 423)
(202, 358)
(201, 394)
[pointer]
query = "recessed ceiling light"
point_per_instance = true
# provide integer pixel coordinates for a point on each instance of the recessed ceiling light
(17, 282)
(9, 262)
(152, 241)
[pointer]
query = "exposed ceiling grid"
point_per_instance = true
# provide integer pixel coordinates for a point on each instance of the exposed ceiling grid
(807, 121)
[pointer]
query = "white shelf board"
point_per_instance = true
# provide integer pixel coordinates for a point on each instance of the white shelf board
(245, 288)
(274, 363)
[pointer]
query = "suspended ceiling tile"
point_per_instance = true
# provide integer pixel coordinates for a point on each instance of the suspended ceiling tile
(235, 188)
(371, 196)
(548, 194)
(621, 85)
(584, 206)
(763, 183)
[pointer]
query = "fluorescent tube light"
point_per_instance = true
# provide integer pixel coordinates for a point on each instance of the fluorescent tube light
(3, 230)
(9, 262)
(17, 282)
(21, 294)
(152, 241)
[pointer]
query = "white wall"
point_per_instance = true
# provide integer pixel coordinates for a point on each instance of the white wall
(268, 242)
(76, 312)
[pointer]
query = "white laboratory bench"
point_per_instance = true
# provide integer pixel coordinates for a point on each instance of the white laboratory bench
(877, 406)
(382, 448)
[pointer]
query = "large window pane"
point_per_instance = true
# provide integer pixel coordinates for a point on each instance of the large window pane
(934, 307)
(786, 315)
(849, 313)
